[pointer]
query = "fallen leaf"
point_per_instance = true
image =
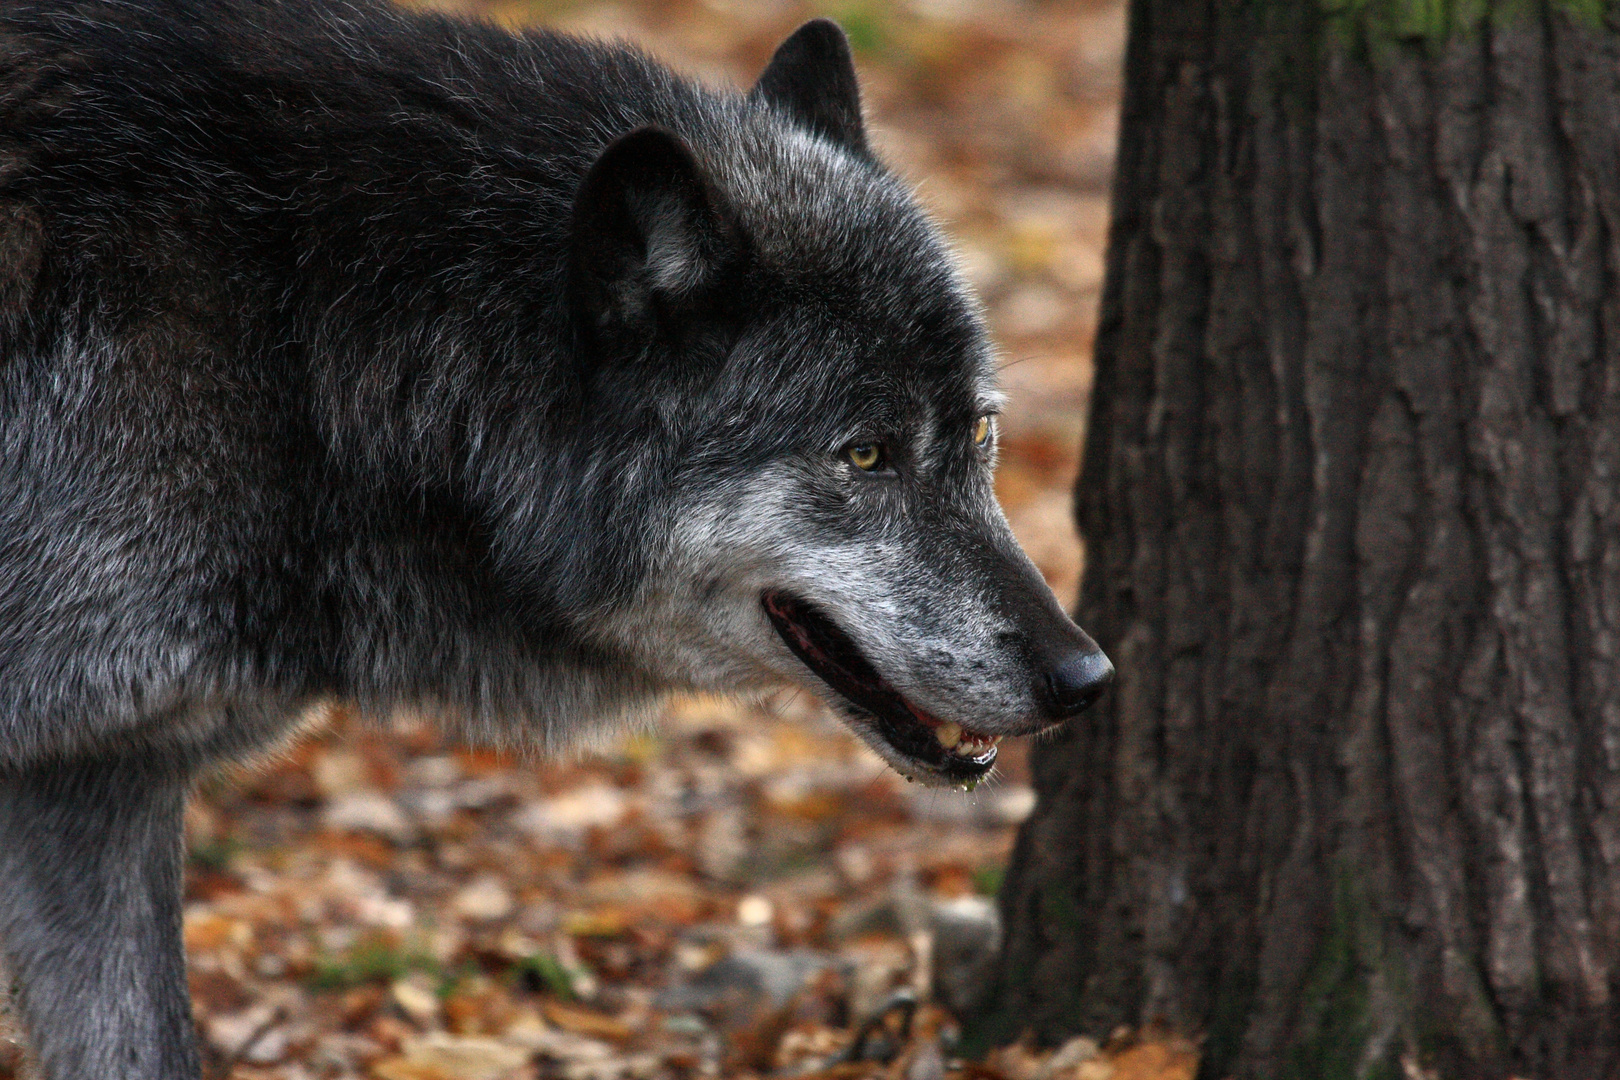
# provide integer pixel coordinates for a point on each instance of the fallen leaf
(438, 1056)
(1169, 1059)
(585, 1022)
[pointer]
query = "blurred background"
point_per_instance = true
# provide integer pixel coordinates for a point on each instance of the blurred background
(744, 890)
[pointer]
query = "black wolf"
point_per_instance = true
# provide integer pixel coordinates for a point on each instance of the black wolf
(353, 355)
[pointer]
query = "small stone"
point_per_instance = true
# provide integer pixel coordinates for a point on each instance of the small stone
(755, 975)
(966, 939)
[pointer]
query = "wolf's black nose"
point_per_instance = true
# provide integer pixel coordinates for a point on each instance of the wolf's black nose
(1076, 681)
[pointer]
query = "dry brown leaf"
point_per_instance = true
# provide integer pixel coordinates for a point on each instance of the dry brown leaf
(1168, 1058)
(450, 1057)
(586, 1022)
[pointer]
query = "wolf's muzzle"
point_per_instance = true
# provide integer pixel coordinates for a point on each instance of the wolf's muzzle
(1073, 683)
(1067, 670)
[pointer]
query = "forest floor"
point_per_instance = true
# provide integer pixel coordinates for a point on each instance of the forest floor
(743, 890)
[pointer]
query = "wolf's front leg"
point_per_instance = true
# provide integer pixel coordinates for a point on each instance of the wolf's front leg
(90, 874)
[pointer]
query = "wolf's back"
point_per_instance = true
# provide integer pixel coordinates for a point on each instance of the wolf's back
(305, 130)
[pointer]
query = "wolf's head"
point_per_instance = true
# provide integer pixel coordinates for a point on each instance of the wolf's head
(760, 300)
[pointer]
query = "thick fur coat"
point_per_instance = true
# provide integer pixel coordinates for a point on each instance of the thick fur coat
(347, 354)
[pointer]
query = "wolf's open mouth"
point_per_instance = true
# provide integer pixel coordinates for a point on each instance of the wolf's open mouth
(941, 746)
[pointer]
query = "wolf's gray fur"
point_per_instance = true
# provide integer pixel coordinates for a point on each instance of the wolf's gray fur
(353, 355)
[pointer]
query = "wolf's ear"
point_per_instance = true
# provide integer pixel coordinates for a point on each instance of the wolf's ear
(649, 236)
(812, 76)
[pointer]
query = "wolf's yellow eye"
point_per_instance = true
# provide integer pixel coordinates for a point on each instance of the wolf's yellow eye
(866, 456)
(981, 431)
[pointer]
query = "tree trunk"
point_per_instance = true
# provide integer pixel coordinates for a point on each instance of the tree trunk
(1351, 500)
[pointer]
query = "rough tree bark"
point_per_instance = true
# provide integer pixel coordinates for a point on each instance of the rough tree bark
(1351, 500)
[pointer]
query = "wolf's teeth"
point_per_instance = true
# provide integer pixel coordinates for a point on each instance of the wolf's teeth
(970, 744)
(949, 734)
